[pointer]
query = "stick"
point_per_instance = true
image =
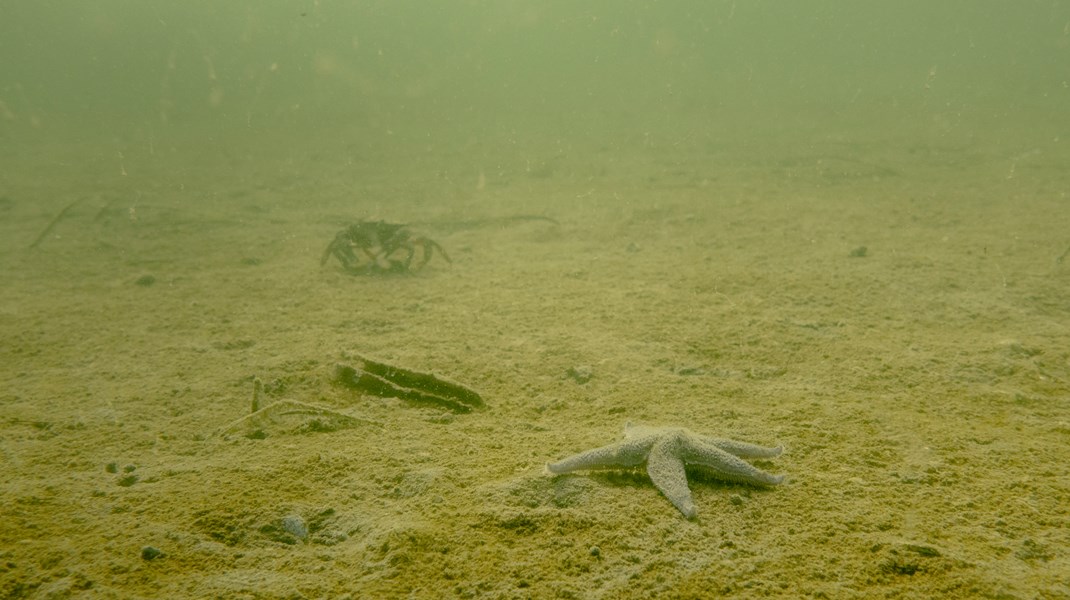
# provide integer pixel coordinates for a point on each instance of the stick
(53, 222)
(387, 381)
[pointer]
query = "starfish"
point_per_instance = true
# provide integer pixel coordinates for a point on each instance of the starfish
(667, 451)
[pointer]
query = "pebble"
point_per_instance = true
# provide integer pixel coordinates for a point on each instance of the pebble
(151, 553)
(580, 374)
(295, 526)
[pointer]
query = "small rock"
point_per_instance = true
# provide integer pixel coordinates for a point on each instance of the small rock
(295, 526)
(151, 553)
(580, 374)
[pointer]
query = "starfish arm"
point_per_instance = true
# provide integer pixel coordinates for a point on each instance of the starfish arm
(667, 471)
(628, 453)
(724, 465)
(740, 449)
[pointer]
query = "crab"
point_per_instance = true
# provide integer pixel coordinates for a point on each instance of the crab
(378, 247)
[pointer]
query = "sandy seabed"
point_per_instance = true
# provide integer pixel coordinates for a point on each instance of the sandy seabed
(896, 316)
